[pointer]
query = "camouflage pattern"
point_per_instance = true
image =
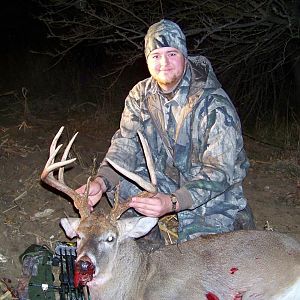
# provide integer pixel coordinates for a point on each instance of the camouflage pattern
(198, 153)
(165, 33)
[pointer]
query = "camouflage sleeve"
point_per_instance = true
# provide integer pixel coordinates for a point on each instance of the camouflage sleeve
(217, 168)
(124, 144)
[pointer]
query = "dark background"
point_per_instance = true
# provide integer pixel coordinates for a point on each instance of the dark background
(263, 86)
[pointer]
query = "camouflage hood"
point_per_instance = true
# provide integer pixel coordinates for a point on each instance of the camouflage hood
(203, 75)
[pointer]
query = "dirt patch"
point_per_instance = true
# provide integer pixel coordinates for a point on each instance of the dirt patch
(30, 213)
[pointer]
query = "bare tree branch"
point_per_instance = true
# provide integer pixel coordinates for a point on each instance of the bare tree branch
(254, 38)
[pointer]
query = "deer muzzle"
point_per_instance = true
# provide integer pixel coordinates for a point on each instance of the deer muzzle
(84, 271)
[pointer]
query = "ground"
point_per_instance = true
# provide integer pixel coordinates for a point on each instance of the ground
(30, 212)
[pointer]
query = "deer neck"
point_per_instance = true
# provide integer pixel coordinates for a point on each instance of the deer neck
(125, 282)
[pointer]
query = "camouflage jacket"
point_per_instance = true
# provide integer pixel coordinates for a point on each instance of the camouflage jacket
(200, 157)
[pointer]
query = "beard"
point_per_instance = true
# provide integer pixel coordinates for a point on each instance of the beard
(172, 79)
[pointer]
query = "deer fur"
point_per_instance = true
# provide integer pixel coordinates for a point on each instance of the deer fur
(236, 265)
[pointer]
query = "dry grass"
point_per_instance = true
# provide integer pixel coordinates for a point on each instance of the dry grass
(168, 225)
(11, 147)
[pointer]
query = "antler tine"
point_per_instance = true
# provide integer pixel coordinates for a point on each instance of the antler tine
(59, 184)
(54, 141)
(64, 157)
(118, 208)
(134, 177)
(150, 188)
(50, 165)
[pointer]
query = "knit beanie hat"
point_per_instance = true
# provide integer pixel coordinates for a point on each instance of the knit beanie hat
(165, 33)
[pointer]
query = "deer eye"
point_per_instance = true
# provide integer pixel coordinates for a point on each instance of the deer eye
(110, 239)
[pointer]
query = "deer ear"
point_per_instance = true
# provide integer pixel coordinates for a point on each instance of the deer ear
(135, 227)
(70, 226)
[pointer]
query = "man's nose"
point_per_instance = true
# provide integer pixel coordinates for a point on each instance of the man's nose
(164, 60)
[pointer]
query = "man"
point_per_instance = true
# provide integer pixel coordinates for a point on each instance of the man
(195, 138)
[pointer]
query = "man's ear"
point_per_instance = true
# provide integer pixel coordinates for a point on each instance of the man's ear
(135, 227)
(70, 226)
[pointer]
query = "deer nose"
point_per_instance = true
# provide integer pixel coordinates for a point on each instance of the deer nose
(84, 264)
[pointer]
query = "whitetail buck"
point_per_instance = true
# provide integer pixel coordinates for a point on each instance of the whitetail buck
(230, 266)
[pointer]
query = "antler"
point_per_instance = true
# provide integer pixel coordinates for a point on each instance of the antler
(150, 187)
(119, 207)
(147, 186)
(47, 175)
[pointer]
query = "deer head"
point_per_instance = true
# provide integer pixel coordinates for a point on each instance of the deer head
(105, 228)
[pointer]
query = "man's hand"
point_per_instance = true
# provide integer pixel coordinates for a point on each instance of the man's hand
(96, 190)
(156, 206)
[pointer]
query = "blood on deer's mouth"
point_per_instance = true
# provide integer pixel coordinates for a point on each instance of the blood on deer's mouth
(84, 271)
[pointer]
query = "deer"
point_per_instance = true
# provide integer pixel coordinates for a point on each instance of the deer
(238, 265)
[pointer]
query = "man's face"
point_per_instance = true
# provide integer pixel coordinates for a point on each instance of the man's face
(166, 65)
